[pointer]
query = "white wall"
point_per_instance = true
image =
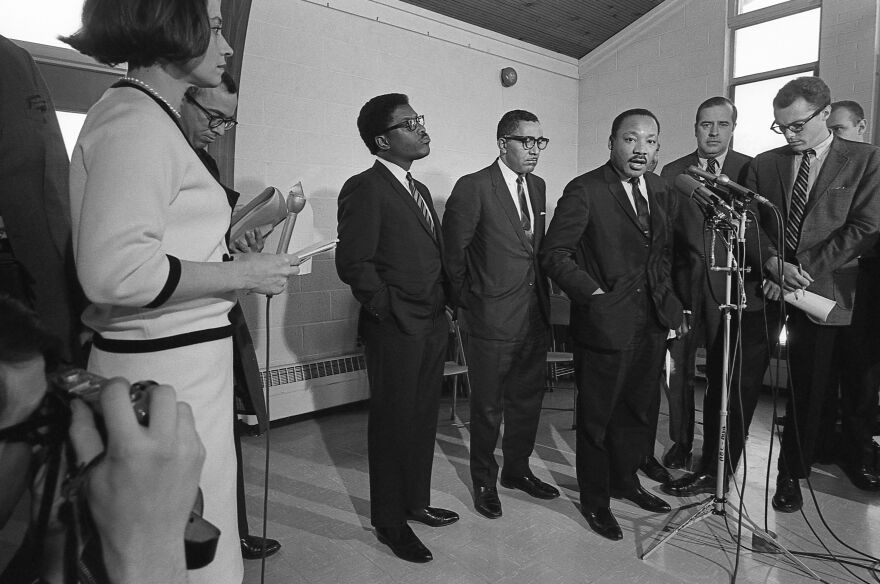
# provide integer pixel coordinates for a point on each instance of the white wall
(668, 61)
(307, 70)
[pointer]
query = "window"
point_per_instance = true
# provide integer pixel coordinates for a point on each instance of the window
(764, 58)
(40, 22)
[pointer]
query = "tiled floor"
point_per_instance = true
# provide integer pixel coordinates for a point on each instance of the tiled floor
(319, 509)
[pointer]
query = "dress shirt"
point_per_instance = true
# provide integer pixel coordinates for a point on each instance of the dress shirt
(398, 173)
(643, 188)
(703, 162)
(510, 178)
(816, 163)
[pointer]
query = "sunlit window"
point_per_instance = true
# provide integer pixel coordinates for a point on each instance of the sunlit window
(71, 123)
(754, 101)
(769, 49)
(768, 46)
(40, 21)
(752, 5)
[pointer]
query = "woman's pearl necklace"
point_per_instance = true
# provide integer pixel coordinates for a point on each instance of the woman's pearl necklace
(152, 91)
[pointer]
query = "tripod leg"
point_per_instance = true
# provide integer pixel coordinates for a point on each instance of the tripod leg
(769, 541)
(704, 511)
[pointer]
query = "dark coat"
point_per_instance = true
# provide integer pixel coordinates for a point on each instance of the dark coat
(595, 241)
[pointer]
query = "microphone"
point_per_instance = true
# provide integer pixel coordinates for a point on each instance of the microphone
(296, 201)
(742, 191)
(695, 170)
(702, 195)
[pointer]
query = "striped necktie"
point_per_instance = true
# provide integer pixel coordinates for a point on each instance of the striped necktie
(798, 204)
(712, 165)
(524, 218)
(420, 202)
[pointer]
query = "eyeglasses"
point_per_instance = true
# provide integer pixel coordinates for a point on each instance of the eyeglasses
(410, 124)
(798, 126)
(214, 121)
(529, 142)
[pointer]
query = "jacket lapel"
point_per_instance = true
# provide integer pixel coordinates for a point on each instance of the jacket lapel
(504, 198)
(784, 172)
(834, 163)
(403, 193)
(616, 188)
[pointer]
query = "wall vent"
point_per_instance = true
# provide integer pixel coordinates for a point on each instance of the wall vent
(315, 370)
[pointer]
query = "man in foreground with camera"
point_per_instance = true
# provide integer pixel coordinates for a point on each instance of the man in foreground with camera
(139, 513)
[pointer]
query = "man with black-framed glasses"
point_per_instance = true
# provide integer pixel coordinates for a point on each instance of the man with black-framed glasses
(825, 188)
(493, 227)
(205, 115)
(390, 252)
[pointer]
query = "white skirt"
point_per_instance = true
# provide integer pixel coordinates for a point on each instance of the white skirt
(202, 376)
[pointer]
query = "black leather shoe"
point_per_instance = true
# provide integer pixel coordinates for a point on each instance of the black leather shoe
(532, 485)
(678, 456)
(602, 521)
(486, 502)
(252, 547)
(654, 470)
(787, 498)
(433, 516)
(647, 501)
(404, 543)
(862, 476)
(691, 484)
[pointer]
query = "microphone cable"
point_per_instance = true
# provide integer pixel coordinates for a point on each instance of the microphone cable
(267, 444)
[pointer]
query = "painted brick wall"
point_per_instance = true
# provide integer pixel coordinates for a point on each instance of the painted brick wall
(668, 61)
(308, 67)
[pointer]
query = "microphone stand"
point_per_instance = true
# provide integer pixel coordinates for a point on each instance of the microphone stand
(717, 503)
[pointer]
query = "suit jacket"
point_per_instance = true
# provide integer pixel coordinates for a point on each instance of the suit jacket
(841, 218)
(690, 271)
(33, 195)
(493, 268)
(387, 253)
(595, 241)
(247, 380)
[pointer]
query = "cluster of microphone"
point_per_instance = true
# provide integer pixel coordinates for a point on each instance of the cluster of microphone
(710, 201)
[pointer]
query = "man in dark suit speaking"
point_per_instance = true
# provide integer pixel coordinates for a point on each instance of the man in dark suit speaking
(609, 248)
(493, 227)
(390, 253)
(700, 290)
(826, 189)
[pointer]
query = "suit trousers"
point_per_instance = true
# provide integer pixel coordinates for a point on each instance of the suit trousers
(746, 367)
(617, 393)
(241, 502)
(811, 362)
(405, 374)
(705, 324)
(507, 380)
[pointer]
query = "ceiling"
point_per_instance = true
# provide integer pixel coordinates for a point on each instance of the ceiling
(570, 27)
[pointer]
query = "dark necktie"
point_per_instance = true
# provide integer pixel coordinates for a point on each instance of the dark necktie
(641, 207)
(524, 218)
(798, 204)
(712, 166)
(420, 202)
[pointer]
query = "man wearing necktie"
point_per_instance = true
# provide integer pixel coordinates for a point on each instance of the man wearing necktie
(390, 253)
(701, 290)
(825, 188)
(493, 227)
(609, 247)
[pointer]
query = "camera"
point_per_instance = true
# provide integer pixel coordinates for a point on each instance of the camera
(49, 424)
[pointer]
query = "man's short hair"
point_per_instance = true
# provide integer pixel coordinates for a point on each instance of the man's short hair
(615, 125)
(226, 82)
(23, 336)
(812, 89)
(509, 121)
(142, 32)
(855, 110)
(714, 102)
(375, 117)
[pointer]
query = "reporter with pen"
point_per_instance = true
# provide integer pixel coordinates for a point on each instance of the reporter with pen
(825, 188)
